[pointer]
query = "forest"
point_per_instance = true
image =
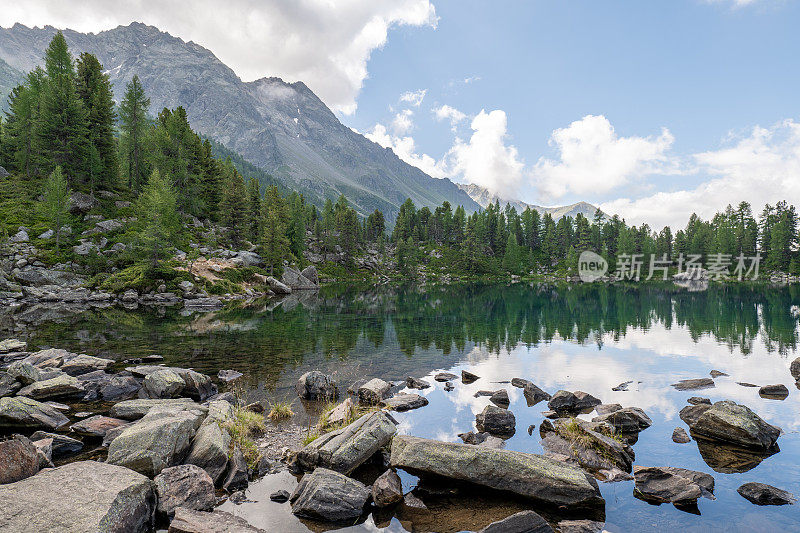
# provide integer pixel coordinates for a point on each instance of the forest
(64, 134)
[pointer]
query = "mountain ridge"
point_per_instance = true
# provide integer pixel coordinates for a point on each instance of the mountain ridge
(283, 128)
(484, 197)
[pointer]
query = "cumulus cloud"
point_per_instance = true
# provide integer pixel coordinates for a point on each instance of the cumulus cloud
(761, 167)
(405, 148)
(322, 43)
(413, 97)
(451, 114)
(403, 122)
(486, 159)
(593, 159)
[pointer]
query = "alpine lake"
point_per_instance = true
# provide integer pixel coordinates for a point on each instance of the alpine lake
(589, 337)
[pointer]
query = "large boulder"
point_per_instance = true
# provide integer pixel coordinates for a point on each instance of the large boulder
(19, 459)
(310, 273)
(189, 521)
(315, 385)
(405, 402)
(22, 412)
(79, 497)
(626, 419)
(346, 449)
(97, 426)
(159, 440)
(387, 489)
(136, 409)
(210, 450)
(671, 485)
(297, 281)
(731, 423)
(329, 496)
(83, 364)
(522, 522)
(496, 421)
(278, 287)
(186, 486)
(163, 383)
(529, 475)
(61, 387)
(373, 391)
(82, 203)
(592, 445)
(567, 402)
(763, 494)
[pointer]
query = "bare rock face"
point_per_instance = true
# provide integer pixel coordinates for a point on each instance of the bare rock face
(528, 475)
(329, 496)
(112, 499)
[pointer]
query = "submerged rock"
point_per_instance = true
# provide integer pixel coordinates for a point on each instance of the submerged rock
(373, 391)
(405, 402)
(189, 521)
(496, 421)
(728, 459)
(187, 486)
(671, 485)
(315, 385)
(717, 374)
(346, 449)
(731, 423)
(532, 476)
(697, 400)
(329, 496)
(694, 384)
(78, 497)
(522, 522)
(414, 383)
(387, 489)
(22, 412)
(763, 494)
(228, 375)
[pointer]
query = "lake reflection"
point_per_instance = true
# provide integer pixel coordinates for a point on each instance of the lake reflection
(589, 338)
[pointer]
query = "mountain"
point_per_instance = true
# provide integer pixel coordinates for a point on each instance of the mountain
(9, 78)
(484, 197)
(282, 128)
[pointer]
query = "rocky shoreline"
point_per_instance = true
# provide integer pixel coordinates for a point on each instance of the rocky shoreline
(160, 449)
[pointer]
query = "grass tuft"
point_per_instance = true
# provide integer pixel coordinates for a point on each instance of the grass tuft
(280, 411)
(244, 426)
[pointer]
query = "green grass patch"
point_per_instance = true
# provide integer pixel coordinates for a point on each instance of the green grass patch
(280, 411)
(243, 428)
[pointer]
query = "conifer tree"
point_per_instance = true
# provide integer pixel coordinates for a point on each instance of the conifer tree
(62, 125)
(253, 209)
(211, 181)
(274, 242)
(160, 228)
(512, 261)
(133, 129)
(297, 225)
(234, 208)
(94, 90)
(55, 205)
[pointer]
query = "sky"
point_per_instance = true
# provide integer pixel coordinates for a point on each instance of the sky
(651, 110)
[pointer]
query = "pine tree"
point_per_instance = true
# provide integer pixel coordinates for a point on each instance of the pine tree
(274, 242)
(512, 261)
(94, 90)
(133, 126)
(211, 182)
(234, 208)
(62, 125)
(160, 228)
(253, 209)
(297, 225)
(55, 205)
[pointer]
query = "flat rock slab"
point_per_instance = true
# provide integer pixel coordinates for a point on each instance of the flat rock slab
(22, 412)
(532, 476)
(522, 522)
(671, 485)
(405, 402)
(735, 424)
(329, 496)
(444, 376)
(63, 386)
(763, 494)
(136, 409)
(694, 384)
(77, 498)
(189, 521)
(97, 426)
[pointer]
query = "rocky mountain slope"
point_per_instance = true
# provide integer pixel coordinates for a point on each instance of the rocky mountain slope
(283, 128)
(484, 197)
(9, 78)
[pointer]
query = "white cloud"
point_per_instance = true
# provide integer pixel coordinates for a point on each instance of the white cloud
(413, 97)
(451, 114)
(405, 148)
(322, 43)
(593, 159)
(762, 167)
(486, 159)
(403, 122)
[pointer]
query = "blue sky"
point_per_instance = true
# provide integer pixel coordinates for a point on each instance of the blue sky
(652, 109)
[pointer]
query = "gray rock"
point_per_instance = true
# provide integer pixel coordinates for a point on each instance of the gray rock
(572, 402)
(44, 449)
(159, 440)
(189, 521)
(315, 385)
(24, 372)
(83, 364)
(481, 439)
(444, 376)
(534, 394)
(590, 444)
(469, 377)
(697, 400)
(8, 385)
(671, 485)
(387, 489)
(405, 402)
(691, 413)
(410, 501)
(4, 173)
(22, 412)
(735, 424)
(532, 476)
(680, 436)
(280, 496)
(229, 375)
(580, 526)
(794, 369)
(774, 392)
(119, 388)
(20, 236)
(236, 475)
(694, 384)
(329, 496)
(163, 383)
(12, 345)
(197, 386)
(278, 287)
(346, 449)
(62, 445)
(19, 459)
(522, 522)
(373, 391)
(296, 281)
(606, 408)
(247, 258)
(111, 499)
(520, 382)
(97, 426)
(82, 203)
(496, 421)
(52, 389)
(717, 374)
(626, 420)
(414, 383)
(763, 494)
(136, 409)
(187, 486)
(310, 273)
(500, 398)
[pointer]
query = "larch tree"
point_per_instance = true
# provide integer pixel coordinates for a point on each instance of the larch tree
(160, 224)
(55, 204)
(94, 90)
(133, 130)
